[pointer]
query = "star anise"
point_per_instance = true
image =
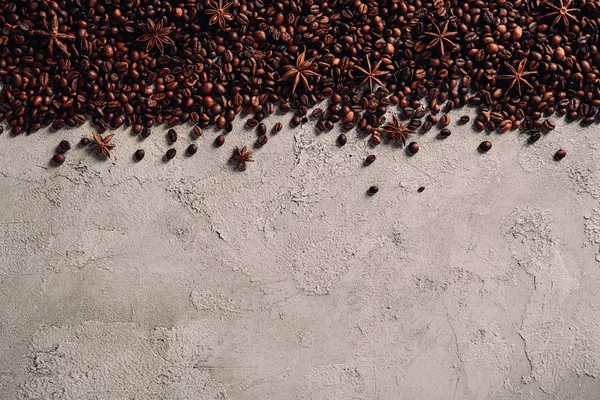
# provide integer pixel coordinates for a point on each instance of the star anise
(371, 74)
(299, 72)
(242, 156)
(102, 145)
(219, 13)
(55, 38)
(563, 13)
(156, 35)
(441, 37)
(397, 131)
(517, 76)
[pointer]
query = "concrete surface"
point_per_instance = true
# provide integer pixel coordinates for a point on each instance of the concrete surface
(189, 280)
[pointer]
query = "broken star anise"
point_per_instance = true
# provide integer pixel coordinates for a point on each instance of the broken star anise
(102, 145)
(156, 35)
(55, 38)
(219, 13)
(299, 72)
(397, 131)
(242, 156)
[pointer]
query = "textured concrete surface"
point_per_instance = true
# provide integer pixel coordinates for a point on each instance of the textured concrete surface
(189, 280)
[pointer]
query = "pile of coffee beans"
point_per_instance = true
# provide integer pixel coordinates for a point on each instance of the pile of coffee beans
(142, 63)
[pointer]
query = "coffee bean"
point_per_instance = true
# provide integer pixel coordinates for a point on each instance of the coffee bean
(485, 146)
(549, 124)
(84, 141)
(139, 154)
(192, 149)
(370, 159)
(444, 121)
(172, 136)
(296, 120)
(219, 140)
(262, 129)
(58, 158)
(444, 133)
(413, 148)
(170, 154)
(342, 139)
(262, 140)
(560, 154)
(278, 127)
(197, 131)
(420, 190)
(372, 190)
(64, 145)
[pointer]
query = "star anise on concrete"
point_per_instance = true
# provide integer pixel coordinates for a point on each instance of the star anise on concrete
(300, 72)
(102, 145)
(242, 156)
(55, 38)
(219, 13)
(440, 37)
(562, 13)
(517, 76)
(371, 74)
(156, 35)
(397, 131)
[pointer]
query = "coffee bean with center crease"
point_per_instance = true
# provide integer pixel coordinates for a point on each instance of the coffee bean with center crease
(172, 136)
(192, 149)
(370, 159)
(139, 154)
(170, 154)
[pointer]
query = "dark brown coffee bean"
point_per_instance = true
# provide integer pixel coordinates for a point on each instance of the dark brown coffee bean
(58, 158)
(172, 136)
(146, 132)
(549, 124)
(444, 121)
(444, 133)
(421, 189)
(342, 139)
(64, 145)
(262, 129)
(278, 127)
(192, 149)
(84, 141)
(372, 190)
(170, 154)
(413, 147)
(485, 146)
(139, 154)
(262, 140)
(370, 159)
(219, 140)
(560, 154)
(296, 120)
(464, 119)
(251, 123)
(197, 131)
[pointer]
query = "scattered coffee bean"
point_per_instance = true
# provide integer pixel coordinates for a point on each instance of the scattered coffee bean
(421, 189)
(370, 159)
(262, 129)
(278, 127)
(372, 190)
(58, 158)
(296, 120)
(170, 154)
(139, 154)
(219, 140)
(262, 140)
(172, 136)
(192, 149)
(549, 124)
(84, 141)
(534, 138)
(485, 146)
(444, 121)
(464, 119)
(64, 145)
(413, 148)
(444, 133)
(560, 154)
(341, 139)
(197, 131)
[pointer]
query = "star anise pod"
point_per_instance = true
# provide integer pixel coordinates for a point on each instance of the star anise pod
(299, 72)
(242, 156)
(440, 37)
(156, 35)
(562, 13)
(219, 13)
(371, 74)
(102, 145)
(55, 38)
(397, 131)
(517, 76)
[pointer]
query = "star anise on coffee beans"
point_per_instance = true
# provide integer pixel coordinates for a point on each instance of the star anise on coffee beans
(300, 72)
(102, 145)
(55, 38)
(440, 37)
(156, 35)
(562, 13)
(397, 131)
(371, 74)
(517, 76)
(242, 156)
(219, 13)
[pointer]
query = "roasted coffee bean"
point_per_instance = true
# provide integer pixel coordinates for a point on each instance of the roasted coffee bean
(192, 149)
(172, 136)
(413, 148)
(139, 154)
(372, 190)
(58, 158)
(84, 141)
(220, 140)
(262, 140)
(560, 154)
(485, 146)
(444, 133)
(262, 129)
(342, 139)
(64, 145)
(370, 159)
(278, 127)
(170, 154)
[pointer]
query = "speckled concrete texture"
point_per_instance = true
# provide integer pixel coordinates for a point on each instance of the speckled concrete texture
(189, 280)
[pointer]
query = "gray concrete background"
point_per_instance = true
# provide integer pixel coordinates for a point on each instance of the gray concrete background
(189, 280)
